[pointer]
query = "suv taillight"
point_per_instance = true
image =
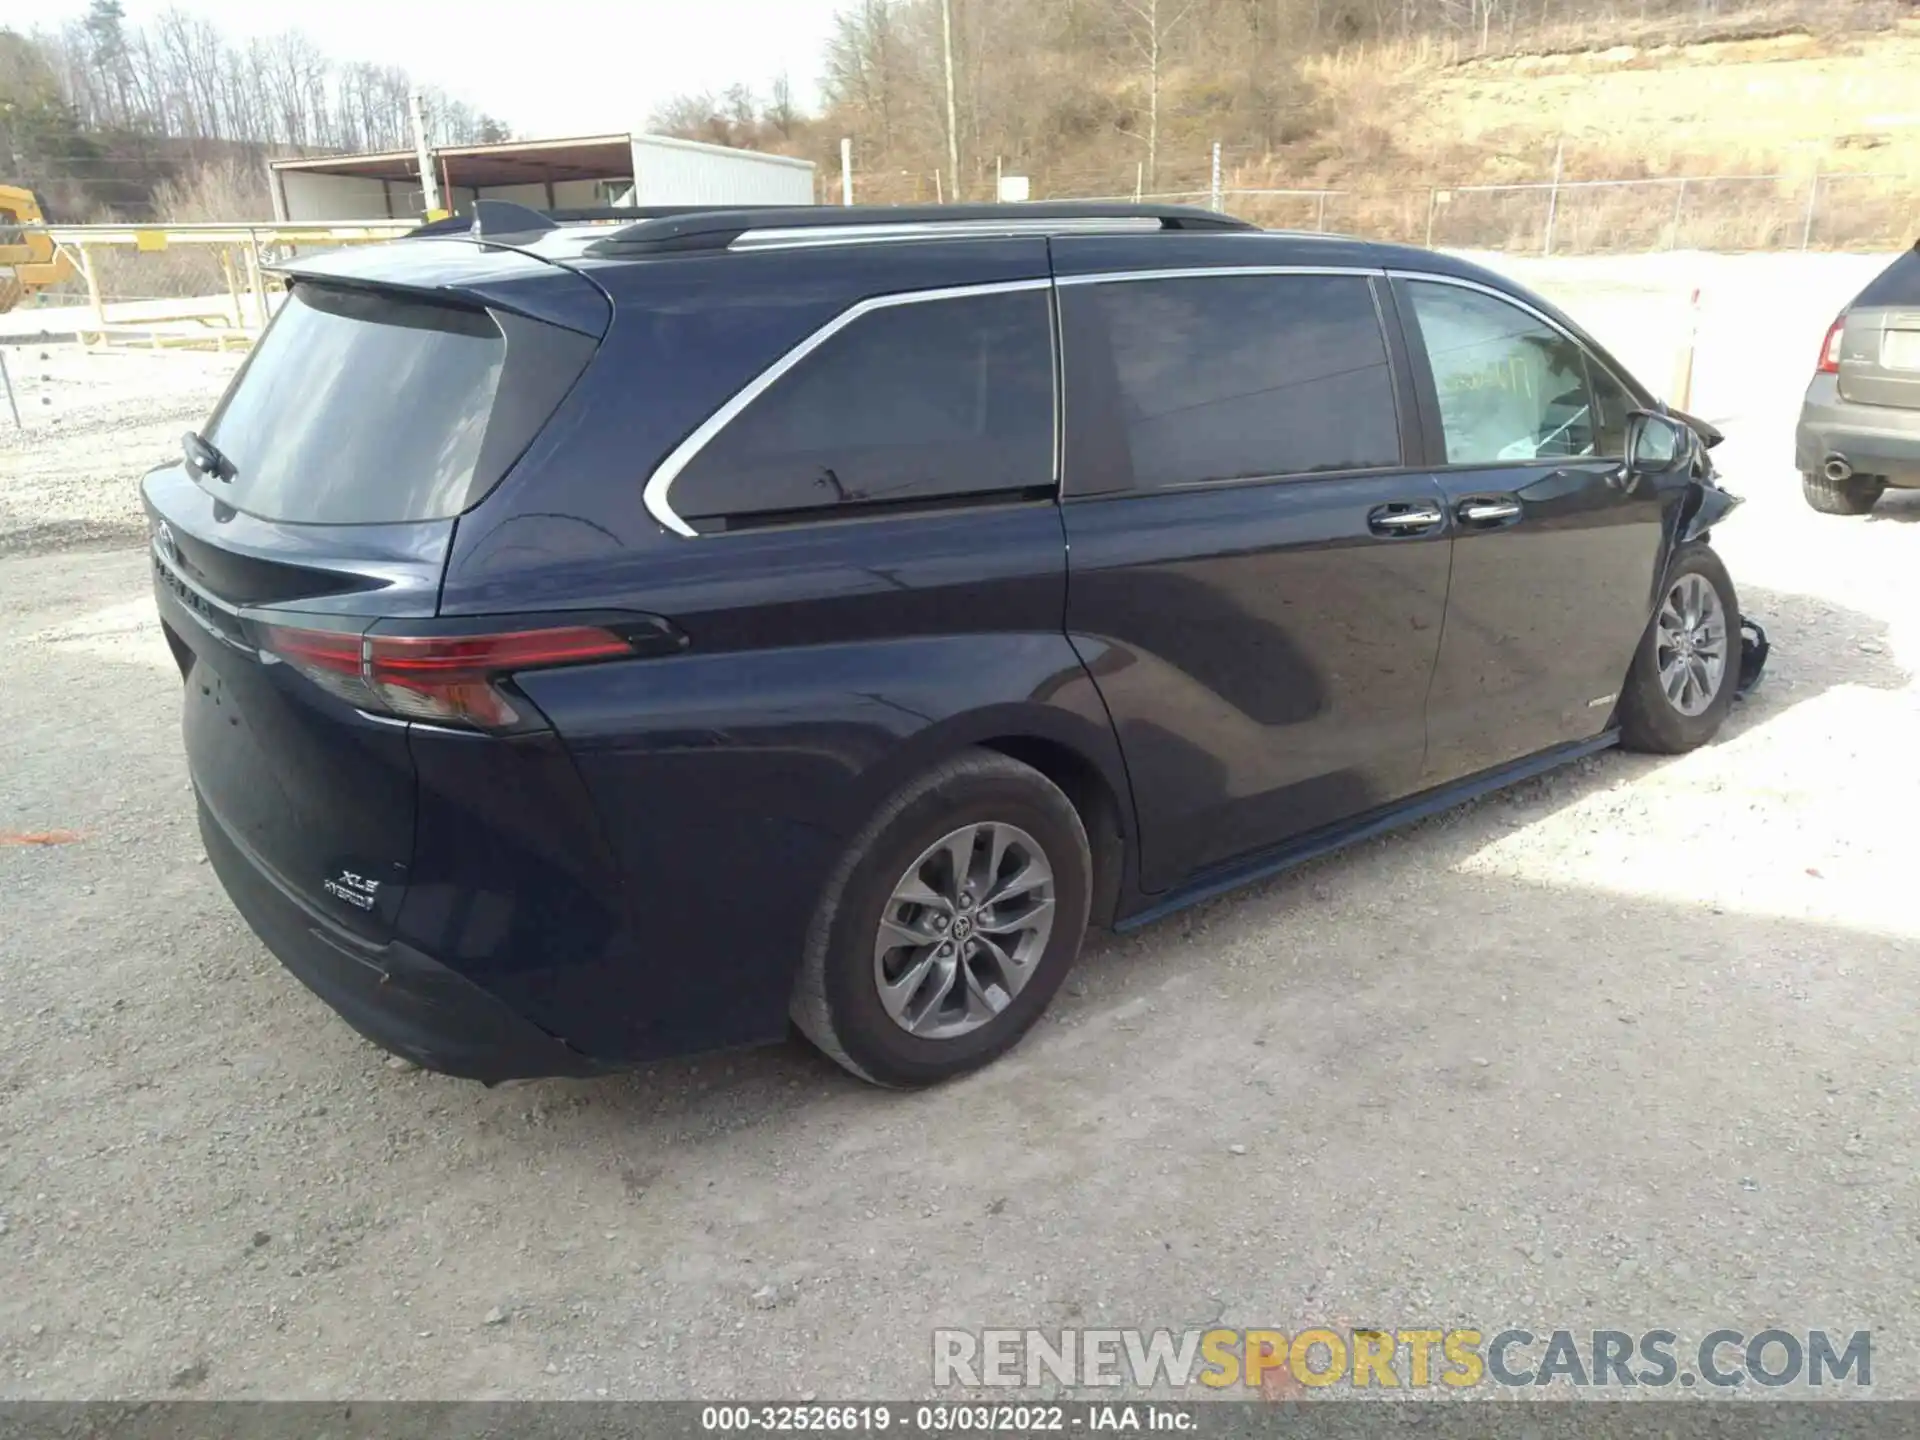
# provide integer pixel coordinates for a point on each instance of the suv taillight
(444, 679)
(1830, 348)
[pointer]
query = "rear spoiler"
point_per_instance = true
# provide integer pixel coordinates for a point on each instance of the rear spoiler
(504, 278)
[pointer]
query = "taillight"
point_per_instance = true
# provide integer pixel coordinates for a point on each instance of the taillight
(1830, 348)
(445, 679)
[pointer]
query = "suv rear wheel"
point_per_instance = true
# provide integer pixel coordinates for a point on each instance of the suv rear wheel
(1855, 495)
(1682, 681)
(948, 926)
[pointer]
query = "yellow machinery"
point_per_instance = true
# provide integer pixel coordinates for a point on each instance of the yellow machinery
(29, 260)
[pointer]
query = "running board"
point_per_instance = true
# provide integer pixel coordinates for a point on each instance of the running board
(1375, 822)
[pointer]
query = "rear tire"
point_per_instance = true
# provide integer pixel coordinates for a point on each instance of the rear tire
(900, 879)
(1684, 675)
(1855, 495)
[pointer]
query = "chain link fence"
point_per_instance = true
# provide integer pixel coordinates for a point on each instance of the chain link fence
(180, 282)
(1845, 211)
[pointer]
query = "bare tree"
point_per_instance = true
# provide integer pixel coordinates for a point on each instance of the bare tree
(780, 112)
(866, 61)
(1149, 25)
(953, 122)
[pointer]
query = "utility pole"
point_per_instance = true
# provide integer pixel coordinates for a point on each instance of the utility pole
(429, 182)
(953, 122)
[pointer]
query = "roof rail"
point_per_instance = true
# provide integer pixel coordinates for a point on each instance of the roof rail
(497, 219)
(754, 228)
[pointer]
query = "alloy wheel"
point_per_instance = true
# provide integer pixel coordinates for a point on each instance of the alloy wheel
(964, 930)
(1690, 640)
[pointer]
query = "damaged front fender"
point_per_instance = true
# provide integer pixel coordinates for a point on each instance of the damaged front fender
(1705, 508)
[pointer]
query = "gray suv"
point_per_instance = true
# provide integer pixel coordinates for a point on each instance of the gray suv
(1860, 426)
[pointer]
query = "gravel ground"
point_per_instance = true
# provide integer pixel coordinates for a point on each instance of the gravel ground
(1630, 1046)
(91, 424)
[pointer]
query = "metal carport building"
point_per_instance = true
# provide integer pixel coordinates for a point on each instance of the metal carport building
(572, 173)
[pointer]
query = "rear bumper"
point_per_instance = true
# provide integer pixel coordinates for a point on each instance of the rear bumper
(402, 1000)
(1874, 439)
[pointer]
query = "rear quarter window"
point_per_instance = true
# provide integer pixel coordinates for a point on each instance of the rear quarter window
(364, 407)
(926, 401)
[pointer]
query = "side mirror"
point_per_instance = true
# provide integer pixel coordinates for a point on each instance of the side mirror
(1657, 444)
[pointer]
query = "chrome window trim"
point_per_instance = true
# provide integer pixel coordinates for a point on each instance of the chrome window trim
(655, 495)
(1207, 272)
(795, 237)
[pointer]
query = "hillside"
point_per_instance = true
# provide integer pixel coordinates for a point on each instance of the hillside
(1784, 103)
(1845, 107)
(1398, 104)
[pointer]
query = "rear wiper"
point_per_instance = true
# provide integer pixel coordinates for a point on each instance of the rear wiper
(203, 455)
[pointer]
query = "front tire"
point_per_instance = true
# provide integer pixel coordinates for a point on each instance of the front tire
(949, 924)
(1855, 495)
(1683, 677)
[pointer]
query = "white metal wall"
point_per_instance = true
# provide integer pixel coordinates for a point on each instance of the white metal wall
(349, 197)
(334, 197)
(684, 172)
(567, 195)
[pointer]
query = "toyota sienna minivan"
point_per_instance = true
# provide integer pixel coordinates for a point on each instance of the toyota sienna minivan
(602, 641)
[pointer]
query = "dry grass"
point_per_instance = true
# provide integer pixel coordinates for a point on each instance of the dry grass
(1729, 112)
(224, 190)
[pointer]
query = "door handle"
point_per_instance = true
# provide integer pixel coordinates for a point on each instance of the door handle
(1404, 519)
(1488, 512)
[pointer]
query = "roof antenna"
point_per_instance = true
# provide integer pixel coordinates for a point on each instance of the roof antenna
(494, 219)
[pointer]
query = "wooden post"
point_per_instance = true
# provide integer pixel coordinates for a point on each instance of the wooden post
(1682, 395)
(1553, 197)
(92, 276)
(233, 285)
(256, 279)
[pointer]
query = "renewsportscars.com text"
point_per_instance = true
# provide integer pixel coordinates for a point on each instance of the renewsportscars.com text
(1415, 1358)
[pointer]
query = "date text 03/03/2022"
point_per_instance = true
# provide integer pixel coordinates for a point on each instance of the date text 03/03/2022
(965, 1417)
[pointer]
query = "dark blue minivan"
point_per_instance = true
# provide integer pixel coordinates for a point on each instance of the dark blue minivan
(603, 641)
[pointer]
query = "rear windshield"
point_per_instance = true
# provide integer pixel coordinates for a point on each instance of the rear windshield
(1898, 284)
(359, 407)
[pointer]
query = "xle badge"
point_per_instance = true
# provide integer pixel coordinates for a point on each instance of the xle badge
(356, 890)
